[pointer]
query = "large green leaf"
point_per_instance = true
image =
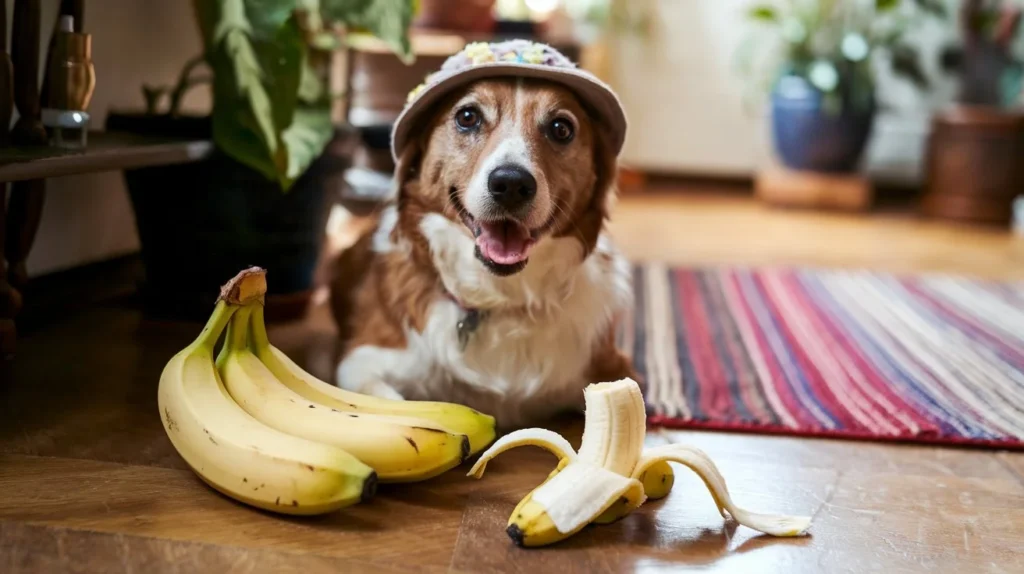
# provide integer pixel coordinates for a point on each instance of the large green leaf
(387, 19)
(271, 111)
(311, 87)
(268, 16)
(281, 60)
(304, 140)
(242, 111)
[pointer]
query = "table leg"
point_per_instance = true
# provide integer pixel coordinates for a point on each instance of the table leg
(24, 211)
(28, 130)
(10, 298)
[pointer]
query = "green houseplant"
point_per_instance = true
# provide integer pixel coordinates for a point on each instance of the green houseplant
(819, 62)
(261, 198)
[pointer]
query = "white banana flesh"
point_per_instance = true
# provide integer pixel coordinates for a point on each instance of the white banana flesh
(240, 456)
(580, 493)
(552, 441)
(600, 483)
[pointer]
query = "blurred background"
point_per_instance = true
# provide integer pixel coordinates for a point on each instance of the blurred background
(854, 106)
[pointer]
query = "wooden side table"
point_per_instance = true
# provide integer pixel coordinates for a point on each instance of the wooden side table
(28, 168)
(26, 161)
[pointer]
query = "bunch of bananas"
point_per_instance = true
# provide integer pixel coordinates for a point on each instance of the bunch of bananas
(256, 427)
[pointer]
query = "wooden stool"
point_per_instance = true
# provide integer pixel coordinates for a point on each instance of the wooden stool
(781, 186)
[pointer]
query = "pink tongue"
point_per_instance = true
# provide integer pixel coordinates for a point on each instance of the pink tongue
(504, 242)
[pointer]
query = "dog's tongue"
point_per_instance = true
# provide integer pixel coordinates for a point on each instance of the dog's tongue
(504, 242)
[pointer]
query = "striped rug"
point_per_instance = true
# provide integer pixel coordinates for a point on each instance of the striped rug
(831, 353)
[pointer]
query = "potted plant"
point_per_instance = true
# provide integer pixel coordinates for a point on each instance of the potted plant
(973, 166)
(261, 199)
(819, 61)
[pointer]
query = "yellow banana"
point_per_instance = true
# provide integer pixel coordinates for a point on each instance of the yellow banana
(456, 419)
(237, 454)
(399, 449)
(602, 482)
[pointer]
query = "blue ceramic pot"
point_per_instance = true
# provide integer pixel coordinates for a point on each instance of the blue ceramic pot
(808, 137)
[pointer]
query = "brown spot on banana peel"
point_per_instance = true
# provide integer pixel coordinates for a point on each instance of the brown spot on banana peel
(413, 443)
(171, 423)
(428, 429)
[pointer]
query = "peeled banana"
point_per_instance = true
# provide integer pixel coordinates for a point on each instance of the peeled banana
(612, 472)
(455, 419)
(399, 449)
(237, 454)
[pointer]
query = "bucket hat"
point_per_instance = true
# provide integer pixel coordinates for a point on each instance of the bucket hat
(516, 59)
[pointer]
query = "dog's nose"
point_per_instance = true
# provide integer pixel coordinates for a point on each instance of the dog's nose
(511, 186)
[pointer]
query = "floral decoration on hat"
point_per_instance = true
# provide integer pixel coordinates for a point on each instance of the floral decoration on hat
(511, 51)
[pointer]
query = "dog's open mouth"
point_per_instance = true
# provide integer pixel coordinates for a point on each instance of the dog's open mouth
(505, 242)
(502, 244)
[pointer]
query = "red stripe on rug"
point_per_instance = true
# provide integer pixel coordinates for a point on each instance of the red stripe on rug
(716, 400)
(846, 354)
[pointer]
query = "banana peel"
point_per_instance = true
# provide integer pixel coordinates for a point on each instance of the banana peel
(612, 474)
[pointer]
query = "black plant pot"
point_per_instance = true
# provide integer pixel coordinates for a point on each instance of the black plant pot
(200, 223)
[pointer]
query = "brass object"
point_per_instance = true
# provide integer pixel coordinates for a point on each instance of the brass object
(72, 81)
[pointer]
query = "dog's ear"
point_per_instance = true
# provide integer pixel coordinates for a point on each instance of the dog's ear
(606, 168)
(406, 170)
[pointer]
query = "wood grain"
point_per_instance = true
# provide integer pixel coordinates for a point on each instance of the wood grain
(27, 548)
(90, 482)
(707, 229)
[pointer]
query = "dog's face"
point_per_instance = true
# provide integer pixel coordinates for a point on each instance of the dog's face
(515, 161)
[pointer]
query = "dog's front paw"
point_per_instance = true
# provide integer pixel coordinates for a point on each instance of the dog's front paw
(382, 390)
(355, 373)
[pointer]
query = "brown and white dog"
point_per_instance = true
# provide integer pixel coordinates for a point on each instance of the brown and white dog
(490, 280)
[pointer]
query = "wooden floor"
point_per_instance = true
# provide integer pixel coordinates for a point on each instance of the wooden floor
(89, 482)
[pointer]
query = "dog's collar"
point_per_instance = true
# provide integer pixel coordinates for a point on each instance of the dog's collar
(469, 322)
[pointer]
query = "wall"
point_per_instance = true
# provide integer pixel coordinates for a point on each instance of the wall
(684, 96)
(89, 218)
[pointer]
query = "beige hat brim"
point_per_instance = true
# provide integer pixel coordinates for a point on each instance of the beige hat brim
(588, 88)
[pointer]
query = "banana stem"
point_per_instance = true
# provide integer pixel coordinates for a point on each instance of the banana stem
(258, 331)
(238, 331)
(220, 319)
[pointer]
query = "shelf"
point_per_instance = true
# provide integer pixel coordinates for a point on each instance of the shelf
(106, 151)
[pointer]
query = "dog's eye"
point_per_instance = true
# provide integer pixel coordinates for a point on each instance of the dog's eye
(561, 130)
(467, 118)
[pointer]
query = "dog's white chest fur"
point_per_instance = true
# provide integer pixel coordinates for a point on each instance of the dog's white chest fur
(528, 356)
